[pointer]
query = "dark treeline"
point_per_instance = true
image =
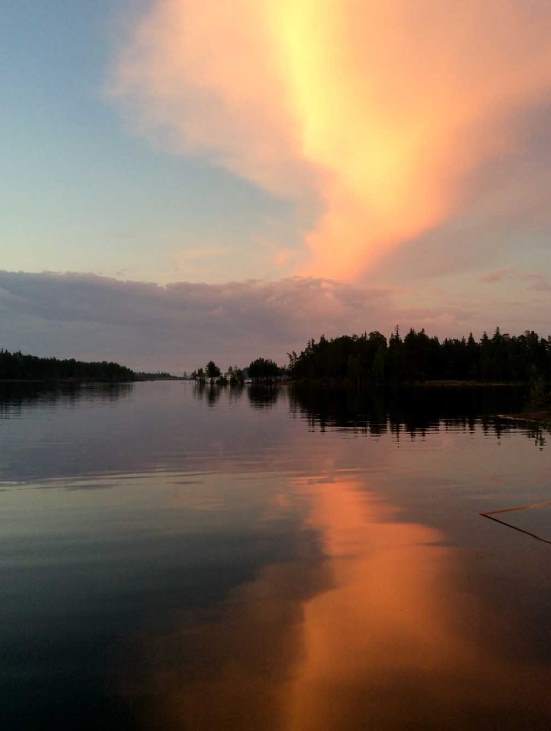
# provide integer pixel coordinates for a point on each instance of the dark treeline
(156, 376)
(260, 369)
(417, 357)
(19, 367)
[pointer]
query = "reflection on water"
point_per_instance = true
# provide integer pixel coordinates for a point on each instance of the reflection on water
(260, 396)
(406, 409)
(392, 640)
(15, 397)
(379, 630)
(271, 560)
(263, 397)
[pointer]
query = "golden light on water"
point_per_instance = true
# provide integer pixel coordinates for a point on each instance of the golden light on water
(377, 629)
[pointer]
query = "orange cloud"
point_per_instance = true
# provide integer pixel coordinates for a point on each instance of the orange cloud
(379, 108)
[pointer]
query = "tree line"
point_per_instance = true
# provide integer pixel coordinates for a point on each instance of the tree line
(16, 366)
(367, 359)
(372, 358)
(260, 369)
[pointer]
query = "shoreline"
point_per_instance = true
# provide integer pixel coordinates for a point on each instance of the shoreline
(540, 418)
(81, 381)
(414, 384)
(62, 381)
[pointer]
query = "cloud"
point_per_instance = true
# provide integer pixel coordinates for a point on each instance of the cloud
(179, 326)
(539, 283)
(535, 281)
(500, 275)
(385, 111)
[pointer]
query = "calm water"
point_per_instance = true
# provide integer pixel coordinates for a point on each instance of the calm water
(182, 559)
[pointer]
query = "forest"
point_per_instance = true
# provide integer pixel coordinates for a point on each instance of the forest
(418, 357)
(19, 367)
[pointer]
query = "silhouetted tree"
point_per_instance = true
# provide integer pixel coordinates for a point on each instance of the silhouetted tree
(236, 376)
(263, 369)
(212, 370)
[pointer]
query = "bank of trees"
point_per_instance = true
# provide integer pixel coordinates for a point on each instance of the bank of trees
(260, 369)
(263, 369)
(16, 366)
(419, 357)
(213, 374)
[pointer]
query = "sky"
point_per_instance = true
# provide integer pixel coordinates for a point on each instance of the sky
(185, 179)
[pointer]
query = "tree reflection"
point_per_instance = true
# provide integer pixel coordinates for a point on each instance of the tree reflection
(263, 396)
(15, 398)
(413, 411)
(210, 392)
(260, 395)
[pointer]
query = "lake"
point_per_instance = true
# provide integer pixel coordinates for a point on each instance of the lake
(182, 558)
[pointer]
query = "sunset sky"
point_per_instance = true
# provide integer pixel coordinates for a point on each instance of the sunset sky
(186, 178)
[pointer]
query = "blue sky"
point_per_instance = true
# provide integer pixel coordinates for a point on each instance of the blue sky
(81, 192)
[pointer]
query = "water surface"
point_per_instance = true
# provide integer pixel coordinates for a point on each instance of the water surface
(184, 558)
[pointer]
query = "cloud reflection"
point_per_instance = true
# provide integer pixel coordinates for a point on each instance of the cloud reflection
(371, 625)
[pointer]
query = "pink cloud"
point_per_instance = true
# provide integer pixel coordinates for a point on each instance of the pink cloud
(385, 111)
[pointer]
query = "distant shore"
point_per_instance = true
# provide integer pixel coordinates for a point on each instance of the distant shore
(538, 417)
(81, 381)
(442, 383)
(65, 381)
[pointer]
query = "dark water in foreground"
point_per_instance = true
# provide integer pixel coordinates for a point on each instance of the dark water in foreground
(175, 559)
